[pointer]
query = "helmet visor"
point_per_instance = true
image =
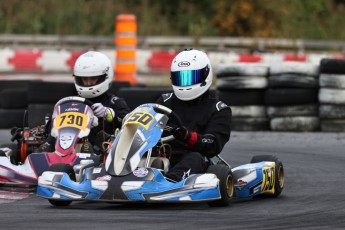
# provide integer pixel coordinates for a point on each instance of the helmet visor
(89, 81)
(189, 77)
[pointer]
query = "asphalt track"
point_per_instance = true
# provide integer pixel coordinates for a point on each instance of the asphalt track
(313, 198)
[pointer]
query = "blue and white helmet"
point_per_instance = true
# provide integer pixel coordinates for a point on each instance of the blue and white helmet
(93, 64)
(191, 74)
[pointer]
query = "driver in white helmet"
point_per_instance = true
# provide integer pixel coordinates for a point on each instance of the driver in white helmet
(93, 75)
(206, 120)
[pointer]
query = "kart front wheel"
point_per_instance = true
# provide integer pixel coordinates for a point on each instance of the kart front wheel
(66, 168)
(279, 171)
(226, 184)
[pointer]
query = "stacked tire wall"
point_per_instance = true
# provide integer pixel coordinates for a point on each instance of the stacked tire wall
(332, 95)
(242, 87)
(13, 103)
(298, 96)
(292, 97)
(282, 96)
(38, 98)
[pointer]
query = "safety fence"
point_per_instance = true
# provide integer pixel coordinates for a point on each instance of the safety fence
(147, 61)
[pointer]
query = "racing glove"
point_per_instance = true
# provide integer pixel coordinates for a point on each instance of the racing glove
(205, 144)
(185, 135)
(103, 112)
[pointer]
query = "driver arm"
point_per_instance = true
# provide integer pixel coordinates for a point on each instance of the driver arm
(217, 134)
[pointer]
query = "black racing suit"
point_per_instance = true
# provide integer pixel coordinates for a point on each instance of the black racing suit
(210, 120)
(96, 135)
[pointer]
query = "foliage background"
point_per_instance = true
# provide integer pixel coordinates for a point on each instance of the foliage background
(307, 19)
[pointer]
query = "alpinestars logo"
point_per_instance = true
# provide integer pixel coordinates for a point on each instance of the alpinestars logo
(186, 174)
(206, 140)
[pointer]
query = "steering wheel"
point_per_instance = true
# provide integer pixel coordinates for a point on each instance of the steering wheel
(78, 99)
(171, 114)
(74, 99)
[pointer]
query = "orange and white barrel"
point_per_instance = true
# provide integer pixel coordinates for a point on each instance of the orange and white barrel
(126, 42)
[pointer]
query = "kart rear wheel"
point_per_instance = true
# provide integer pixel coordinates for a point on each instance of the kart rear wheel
(279, 171)
(67, 169)
(226, 184)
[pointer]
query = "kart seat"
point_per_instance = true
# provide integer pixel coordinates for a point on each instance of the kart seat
(160, 163)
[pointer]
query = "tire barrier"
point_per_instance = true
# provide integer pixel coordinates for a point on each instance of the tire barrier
(37, 97)
(336, 81)
(295, 124)
(136, 96)
(332, 95)
(38, 112)
(289, 102)
(126, 42)
(292, 96)
(242, 86)
(11, 118)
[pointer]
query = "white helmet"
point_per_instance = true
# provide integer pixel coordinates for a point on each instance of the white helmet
(191, 74)
(94, 65)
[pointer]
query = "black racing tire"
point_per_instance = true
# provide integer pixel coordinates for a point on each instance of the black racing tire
(279, 174)
(295, 124)
(335, 66)
(242, 97)
(49, 92)
(250, 124)
(135, 96)
(336, 126)
(14, 98)
(332, 112)
(248, 111)
(332, 96)
(226, 184)
(291, 96)
(294, 68)
(242, 82)
(14, 117)
(241, 69)
(62, 168)
(37, 113)
(332, 81)
(293, 81)
(293, 110)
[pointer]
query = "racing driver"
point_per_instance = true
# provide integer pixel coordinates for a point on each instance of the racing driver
(206, 120)
(93, 75)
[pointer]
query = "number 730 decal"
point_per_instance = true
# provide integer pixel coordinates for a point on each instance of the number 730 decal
(143, 119)
(71, 119)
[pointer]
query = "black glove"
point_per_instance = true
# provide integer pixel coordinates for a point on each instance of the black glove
(181, 133)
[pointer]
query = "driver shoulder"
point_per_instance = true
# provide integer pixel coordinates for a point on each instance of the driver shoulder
(219, 106)
(166, 97)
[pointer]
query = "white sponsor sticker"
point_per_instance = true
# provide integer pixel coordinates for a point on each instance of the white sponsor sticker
(84, 155)
(96, 170)
(140, 172)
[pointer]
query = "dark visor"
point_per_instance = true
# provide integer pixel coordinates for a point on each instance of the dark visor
(189, 77)
(79, 80)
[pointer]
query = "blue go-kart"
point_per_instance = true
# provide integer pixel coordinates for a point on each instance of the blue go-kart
(130, 173)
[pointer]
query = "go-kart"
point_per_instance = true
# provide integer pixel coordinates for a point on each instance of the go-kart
(131, 173)
(72, 121)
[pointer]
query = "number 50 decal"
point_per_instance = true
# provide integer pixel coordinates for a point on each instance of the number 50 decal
(267, 185)
(140, 118)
